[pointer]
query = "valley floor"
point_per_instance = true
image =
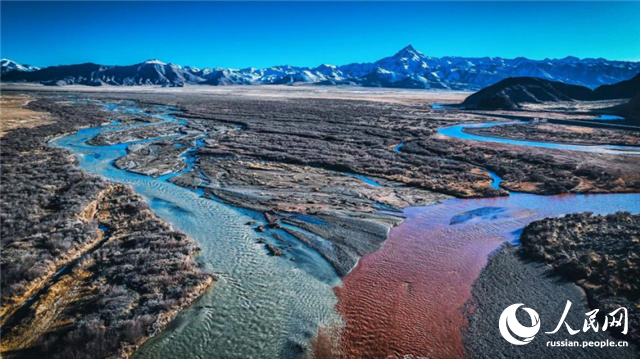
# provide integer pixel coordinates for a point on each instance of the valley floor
(323, 175)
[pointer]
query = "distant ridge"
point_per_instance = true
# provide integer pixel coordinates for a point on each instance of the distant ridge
(408, 68)
(622, 89)
(8, 65)
(511, 93)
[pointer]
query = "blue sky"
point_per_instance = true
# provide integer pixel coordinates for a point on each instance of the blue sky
(262, 34)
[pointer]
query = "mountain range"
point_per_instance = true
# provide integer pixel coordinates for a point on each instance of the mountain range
(408, 68)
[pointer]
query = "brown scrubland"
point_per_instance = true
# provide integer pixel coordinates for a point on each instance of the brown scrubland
(87, 269)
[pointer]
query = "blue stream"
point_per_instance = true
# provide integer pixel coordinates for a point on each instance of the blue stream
(262, 306)
(496, 180)
(608, 118)
(458, 132)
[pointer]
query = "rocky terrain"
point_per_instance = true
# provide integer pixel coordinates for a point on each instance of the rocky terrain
(599, 253)
(87, 269)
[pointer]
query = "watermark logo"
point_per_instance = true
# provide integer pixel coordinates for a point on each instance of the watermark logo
(516, 333)
(509, 324)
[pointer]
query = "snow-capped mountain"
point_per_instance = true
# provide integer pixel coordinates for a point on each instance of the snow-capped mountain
(150, 72)
(7, 65)
(408, 68)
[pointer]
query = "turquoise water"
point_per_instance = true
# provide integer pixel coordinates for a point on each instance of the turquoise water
(365, 179)
(495, 179)
(458, 132)
(438, 106)
(262, 306)
(608, 118)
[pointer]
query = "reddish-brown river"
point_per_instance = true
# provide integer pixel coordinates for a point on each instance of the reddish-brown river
(410, 296)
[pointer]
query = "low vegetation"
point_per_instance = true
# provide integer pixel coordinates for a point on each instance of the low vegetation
(97, 272)
(561, 134)
(360, 137)
(600, 253)
(43, 196)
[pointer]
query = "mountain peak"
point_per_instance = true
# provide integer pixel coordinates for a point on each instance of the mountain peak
(7, 61)
(406, 62)
(410, 53)
(408, 48)
(155, 62)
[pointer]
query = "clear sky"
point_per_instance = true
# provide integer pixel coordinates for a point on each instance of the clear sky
(262, 34)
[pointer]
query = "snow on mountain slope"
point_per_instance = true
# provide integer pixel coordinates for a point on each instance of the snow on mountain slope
(8, 65)
(408, 68)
